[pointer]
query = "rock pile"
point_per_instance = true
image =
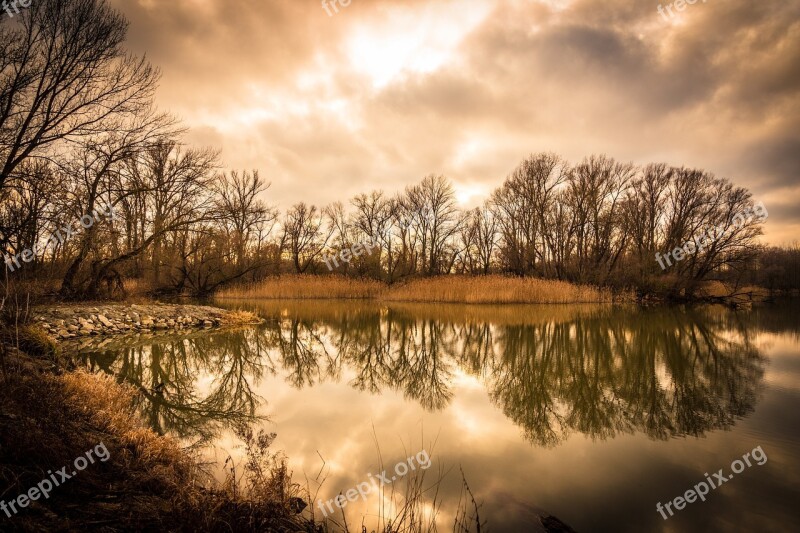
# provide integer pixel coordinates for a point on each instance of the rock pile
(72, 321)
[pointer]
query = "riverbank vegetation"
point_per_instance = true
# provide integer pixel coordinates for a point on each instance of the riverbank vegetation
(149, 481)
(492, 289)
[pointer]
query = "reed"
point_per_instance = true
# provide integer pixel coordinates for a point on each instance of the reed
(304, 287)
(443, 289)
(496, 290)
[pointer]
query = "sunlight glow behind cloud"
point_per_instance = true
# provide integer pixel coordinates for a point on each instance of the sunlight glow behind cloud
(412, 39)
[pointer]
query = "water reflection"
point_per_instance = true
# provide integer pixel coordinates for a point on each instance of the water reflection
(597, 371)
(663, 373)
(191, 386)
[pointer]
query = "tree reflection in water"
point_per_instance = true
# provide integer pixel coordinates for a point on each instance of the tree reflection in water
(191, 386)
(597, 371)
(665, 373)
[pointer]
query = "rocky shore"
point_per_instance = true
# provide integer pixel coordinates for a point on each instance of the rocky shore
(65, 322)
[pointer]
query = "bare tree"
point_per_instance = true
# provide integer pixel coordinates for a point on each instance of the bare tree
(245, 218)
(374, 220)
(435, 219)
(522, 206)
(483, 233)
(595, 194)
(305, 234)
(64, 75)
(645, 213)
(95, 170)
(26, 206)
(176, 184)
(701, 205)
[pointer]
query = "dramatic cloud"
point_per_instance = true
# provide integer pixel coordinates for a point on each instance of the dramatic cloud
(387, 91)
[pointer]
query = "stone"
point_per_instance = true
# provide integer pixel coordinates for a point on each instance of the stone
(114, 320)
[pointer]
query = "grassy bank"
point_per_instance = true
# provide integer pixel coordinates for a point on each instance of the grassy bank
(48, 418)
(444, 289)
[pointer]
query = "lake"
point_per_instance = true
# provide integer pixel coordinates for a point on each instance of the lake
(594, 414)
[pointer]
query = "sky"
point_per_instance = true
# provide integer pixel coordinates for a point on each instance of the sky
(384, 92)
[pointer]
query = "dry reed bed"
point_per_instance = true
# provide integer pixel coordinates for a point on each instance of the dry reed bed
(496, 290)
(444, 289)
(306, 287)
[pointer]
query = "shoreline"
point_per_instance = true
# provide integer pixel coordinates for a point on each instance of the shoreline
(69, 322)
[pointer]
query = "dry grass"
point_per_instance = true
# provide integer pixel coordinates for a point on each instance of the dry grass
(306, 287)
(496, 290)
(58, 418)
(730, 295)
(240, 317)
(444, 289)
(106, 406)
(137, 287)
(149, 482)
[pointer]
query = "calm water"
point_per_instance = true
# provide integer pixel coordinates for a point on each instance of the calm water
(592, 414)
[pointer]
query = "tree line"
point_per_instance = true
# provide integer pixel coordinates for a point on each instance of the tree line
(79, 129)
